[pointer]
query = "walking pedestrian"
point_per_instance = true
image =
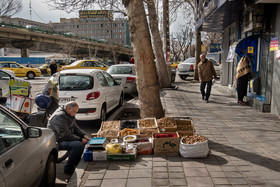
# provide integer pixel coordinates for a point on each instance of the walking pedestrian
(243, 75)
(68, 135)
(206, 73)
(28, 65)
(53, 67)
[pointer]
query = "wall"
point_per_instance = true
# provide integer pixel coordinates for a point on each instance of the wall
(275, 102)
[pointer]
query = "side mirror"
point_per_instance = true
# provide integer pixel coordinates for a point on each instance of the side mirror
(34, 132)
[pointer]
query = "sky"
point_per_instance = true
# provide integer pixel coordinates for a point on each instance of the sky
(42, 13)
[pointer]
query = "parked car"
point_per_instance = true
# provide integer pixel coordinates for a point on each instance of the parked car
(20, 70)
(217, 66)
(125, 75)
(96, 92)
(173, 65)
(186, 68)
(86, 64)
(27, 154)
(45, 69)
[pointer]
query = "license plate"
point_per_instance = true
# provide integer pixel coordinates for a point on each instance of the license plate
(65, 100)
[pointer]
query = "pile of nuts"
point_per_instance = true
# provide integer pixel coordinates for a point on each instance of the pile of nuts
(148, 131)
(193, 139)
(108, 133)
(147, 123)
(166, 122)
(184, 125)
(110, 125)
(127, 131)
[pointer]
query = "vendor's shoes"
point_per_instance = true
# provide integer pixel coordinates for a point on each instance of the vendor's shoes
(241, 102)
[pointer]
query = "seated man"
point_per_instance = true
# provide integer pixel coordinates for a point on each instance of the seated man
(68, 135)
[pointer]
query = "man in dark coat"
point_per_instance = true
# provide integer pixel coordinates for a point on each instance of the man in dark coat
(68, 135)
(53, 67)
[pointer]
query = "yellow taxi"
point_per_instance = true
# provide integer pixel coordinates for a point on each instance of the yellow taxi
(86, 64)
(45, 69)
(173, 65)
(20, 70)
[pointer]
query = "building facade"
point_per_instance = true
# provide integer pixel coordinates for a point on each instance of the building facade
(248, 28)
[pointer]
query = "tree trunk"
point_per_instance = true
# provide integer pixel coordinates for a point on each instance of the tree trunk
(146, 79)
(162, 69)
(197, 52)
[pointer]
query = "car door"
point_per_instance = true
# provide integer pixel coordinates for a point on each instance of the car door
(17, 69)
(20, 157)
(114, 89)
(4, 82)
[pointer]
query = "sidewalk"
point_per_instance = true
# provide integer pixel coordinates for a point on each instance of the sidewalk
(244, 148)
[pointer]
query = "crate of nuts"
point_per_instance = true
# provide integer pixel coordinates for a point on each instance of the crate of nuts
(185, 126)
(167, 124)
(147, 123)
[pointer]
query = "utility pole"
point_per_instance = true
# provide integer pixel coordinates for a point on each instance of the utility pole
(30, 10)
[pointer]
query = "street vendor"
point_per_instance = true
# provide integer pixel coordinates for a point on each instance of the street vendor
(68, 135)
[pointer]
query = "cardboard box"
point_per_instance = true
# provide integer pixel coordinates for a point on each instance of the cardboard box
(144, 148)
(20, 104)
(146, 121)
(95, 155)
(123, 156)
(166, 146)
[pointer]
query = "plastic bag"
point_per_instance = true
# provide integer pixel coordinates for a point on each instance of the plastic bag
(196, 150)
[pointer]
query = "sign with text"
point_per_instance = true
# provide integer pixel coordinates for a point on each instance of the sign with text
(274, 44)
(96, 14)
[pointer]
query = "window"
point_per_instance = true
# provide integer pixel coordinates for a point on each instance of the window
(110, 79)
(10, 132)
(5, 65)
(4, 76)
(75, 82)
(101, 79)
(14, 66)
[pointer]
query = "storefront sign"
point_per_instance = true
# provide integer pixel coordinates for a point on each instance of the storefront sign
(274, 44)
(215, 47)
(250, 49)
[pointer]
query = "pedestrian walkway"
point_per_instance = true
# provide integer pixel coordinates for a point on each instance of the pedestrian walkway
(244, 148)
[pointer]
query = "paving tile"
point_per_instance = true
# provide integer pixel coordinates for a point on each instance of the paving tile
(199, 182)
(90, 183)
(160, 175)
(141, 182)
(116, 182)
(174, 164)
(250, 174)
(270, 175)
(160, 182)
(255, 181)
(96, 176)
(155, 164)
(229, 168)
(142, 164)
(219, 180)
(159, 159)
(119, 165)
(140, 173)
(178, 182)
(196, 172)
(176, 175)
(217, 174)
(214, 168)
(175, 169)
(162, 169)
(237, 180)
(233, 174)
(116, 174)
(97, 170)
(192, 164)
(103, 165)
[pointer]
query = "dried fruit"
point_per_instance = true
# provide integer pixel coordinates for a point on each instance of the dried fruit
(193, 139)
(108, 133)
(148, 131)
(127, 131)
(110, 125)
(166, 122)
(147, 123)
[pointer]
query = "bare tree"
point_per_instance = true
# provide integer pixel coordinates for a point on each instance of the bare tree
(10, 7)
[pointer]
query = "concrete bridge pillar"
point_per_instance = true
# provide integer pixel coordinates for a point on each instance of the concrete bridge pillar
(24, 52)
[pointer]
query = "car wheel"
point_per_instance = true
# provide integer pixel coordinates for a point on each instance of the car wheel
(49, 172)
(103, 114)
(182, 77)
(121, 100)
(30, 75)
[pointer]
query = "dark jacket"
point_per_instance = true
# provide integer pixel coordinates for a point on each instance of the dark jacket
(206, 71)
(65, 127)
(53, 68)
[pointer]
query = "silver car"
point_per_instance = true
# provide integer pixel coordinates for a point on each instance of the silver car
(27, 154)
(125, 75)
(186, 68)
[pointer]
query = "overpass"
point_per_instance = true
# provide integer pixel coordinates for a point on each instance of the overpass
(42, 41)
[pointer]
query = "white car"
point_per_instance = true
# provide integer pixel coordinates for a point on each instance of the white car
(95, 91)
(27, 154)
(217, 67)
(125, 75)
(186, 68)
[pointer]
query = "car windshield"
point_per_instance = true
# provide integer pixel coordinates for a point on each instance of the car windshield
(120, 70)
(75, 82)
(75, 63)
(189, 60)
